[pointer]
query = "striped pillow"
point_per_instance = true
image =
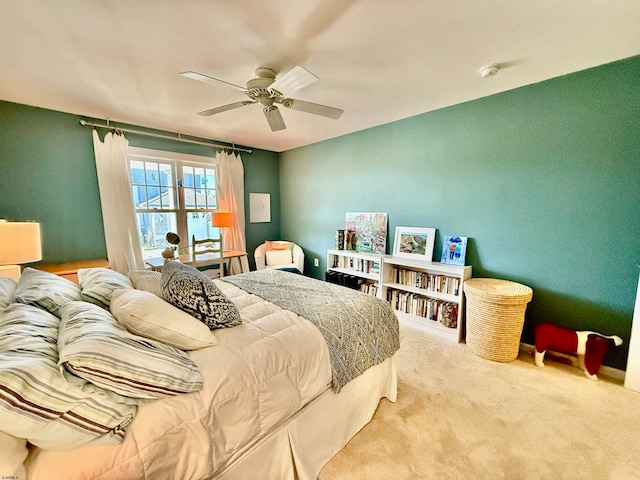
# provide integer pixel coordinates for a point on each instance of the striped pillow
(146, 280)
(92, 345)
(7, 287)
(99, 283)
(45, 290)
(36, 403)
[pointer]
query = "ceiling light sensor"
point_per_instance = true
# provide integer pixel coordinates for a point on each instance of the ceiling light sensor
(489, 70)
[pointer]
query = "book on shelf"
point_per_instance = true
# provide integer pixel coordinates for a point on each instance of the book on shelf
(426, 281)
(370, 288)
(445, 313)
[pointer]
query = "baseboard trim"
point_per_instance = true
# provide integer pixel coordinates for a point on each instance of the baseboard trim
(606, 371)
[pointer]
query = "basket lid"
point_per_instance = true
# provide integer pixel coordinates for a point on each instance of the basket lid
(495, 289)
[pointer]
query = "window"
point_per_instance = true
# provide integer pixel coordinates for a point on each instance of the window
(172, 193)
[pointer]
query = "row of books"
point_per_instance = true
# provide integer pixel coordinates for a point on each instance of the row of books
(440, 311)
(370, 288)
(357, 264)
(426, 281)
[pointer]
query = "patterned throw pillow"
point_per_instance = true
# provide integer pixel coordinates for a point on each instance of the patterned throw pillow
(45, 290)
(192, 292)
(99, 283)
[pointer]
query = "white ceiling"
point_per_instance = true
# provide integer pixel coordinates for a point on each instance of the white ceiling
(378, 60)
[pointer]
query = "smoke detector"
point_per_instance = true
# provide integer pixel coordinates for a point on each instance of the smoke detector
(489, 70)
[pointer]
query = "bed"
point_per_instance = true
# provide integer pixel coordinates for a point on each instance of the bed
(273, 391)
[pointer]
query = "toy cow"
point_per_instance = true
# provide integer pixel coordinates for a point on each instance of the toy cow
(590, 347)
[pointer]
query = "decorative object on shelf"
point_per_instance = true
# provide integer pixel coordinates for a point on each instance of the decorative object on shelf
(495, 317)
(589, 347)
(454, 250)
(414, 242)
(340, 239)
(350, 240)
(173, 239)
(370, 231)
(19, 243)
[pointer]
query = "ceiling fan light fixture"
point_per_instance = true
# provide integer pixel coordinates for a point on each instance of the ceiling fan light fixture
(274, 118)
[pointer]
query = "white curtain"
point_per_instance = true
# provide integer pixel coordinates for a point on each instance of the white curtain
(230, 189)
(118, 217)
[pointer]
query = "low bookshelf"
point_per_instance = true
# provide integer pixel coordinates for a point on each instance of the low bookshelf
(363, 265)
(428, 295)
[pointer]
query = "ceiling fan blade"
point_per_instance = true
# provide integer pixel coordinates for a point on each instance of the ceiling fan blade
(274, 118)
(204, 78)
(295, 79)
(314, 108)
(224, 108)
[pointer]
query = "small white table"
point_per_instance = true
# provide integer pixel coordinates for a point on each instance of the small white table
(203, 260)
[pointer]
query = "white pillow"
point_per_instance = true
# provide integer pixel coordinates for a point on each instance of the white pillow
(279, 257)
(147, 280)
(145, 314)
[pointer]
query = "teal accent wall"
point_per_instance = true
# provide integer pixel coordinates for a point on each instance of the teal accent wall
(48, 174)
(544, 180)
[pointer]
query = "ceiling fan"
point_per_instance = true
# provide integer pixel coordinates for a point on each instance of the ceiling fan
(267, 91)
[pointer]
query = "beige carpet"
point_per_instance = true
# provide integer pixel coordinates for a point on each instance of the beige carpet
(459, 416)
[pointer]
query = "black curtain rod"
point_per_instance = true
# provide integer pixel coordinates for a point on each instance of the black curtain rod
(167, 137)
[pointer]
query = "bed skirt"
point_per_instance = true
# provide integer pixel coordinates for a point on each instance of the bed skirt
(298, 449)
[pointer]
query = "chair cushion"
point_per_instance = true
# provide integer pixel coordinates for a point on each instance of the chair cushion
(278, 252)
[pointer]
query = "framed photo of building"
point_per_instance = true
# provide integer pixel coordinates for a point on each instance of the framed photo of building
(414, 242)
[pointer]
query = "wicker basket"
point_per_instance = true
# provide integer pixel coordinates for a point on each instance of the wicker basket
(495, 317)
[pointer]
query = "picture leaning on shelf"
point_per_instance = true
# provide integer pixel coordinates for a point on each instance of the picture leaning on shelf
(454, 250)
(414, 242)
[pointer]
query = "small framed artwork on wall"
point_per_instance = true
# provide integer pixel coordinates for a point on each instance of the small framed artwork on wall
(414, 242)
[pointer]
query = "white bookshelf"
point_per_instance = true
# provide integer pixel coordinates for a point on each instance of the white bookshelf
(419, 290)
(360, 264)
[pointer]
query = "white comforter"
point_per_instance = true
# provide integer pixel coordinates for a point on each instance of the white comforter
(259, 375)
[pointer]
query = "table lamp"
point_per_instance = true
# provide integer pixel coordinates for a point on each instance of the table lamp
(222, 220)
(19, 243)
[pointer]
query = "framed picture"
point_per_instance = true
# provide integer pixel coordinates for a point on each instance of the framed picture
(454, 249)
(367, 231)
(414, 242)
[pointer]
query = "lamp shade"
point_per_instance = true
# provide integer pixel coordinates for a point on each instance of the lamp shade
(19, 242)
(222, 219)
